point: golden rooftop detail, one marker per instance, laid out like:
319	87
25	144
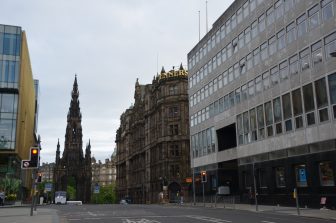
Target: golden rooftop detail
173	73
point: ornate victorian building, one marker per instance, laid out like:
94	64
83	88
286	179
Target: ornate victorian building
103	174
153	140
73	166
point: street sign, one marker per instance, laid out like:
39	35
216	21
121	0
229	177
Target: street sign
96	189
48	187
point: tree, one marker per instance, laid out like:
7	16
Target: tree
106	195
11	187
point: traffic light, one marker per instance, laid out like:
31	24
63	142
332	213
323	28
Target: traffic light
34	157
203	176
33	161
39	178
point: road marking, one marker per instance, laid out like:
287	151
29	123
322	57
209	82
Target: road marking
92	218
92	214
268	221
139	221
204	218
74	219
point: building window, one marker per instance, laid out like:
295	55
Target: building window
272	45
251	88
174	150
239	15
330	44
269	118
270	16
263	50
293	65
287	112
236	70
281	39
327	9
288	5
277	115
280	177
332	92
301	175
249	61
247	33
262	23
246	127
254	31
274	76
240	129
309	105
261	122
322	99
304	59
253	125
237	95
258	84
302	25
279	9
244	92
233	21
313	15
173	112
173	90
317	53
8	110
266	80
246	9
11	44
291	33
173	129
262	178
283	70
241	40
326	174
256	56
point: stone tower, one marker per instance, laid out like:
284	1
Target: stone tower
73	164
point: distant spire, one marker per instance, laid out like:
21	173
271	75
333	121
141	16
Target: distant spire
163	70
181	67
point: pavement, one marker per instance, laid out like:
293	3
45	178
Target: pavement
322	213
49	214
21	214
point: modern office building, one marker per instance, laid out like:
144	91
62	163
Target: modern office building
153	141
17	105
262	95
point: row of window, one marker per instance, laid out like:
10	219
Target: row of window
303	105
203	143
285	36
325	170
8	113
10	44
309	56
9	73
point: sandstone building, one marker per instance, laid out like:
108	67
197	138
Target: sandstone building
153	140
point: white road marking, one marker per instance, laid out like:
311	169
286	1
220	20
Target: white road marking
204	218
73	219
139	221
92	218
92	214
268	221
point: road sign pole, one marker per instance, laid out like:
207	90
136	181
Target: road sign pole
203	194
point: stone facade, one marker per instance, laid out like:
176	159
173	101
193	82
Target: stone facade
153	141
73	163
47	171
103	174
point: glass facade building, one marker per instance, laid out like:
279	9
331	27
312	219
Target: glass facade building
263	81
18	106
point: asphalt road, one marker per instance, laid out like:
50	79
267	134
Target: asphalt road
170	214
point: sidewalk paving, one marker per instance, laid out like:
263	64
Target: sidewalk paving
21	214
306	212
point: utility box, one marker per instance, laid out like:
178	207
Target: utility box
223	190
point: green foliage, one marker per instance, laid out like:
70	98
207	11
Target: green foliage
107	195
10	186
71	193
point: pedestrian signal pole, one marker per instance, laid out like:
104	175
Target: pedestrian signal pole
204	180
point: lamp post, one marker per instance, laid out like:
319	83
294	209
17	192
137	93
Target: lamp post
255	188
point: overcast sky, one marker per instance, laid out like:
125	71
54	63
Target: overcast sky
108	44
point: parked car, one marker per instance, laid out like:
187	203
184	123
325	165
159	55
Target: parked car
123	201
2	198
